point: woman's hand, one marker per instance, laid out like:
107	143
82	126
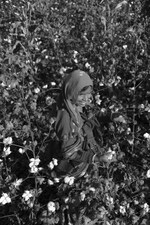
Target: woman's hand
108	157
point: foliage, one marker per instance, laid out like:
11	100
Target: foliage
41	41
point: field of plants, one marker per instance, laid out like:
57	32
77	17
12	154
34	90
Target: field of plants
40	42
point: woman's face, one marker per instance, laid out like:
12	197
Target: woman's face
84	99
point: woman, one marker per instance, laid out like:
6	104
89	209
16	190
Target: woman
78	146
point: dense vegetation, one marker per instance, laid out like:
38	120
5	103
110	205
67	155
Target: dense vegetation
40	42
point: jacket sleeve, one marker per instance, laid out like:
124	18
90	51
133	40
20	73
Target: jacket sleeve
62	125
71	145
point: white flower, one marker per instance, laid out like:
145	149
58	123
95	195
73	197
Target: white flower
34	162
120	119
110	154
69	180
5	199
51	207
52	120
36	90
122	209
91	69
51	165
27	195
3	84
7	141
98	101
128	130
17	182
147	108
141	106
6	151
146	208
103	110
148	173
56	180
110	200
92	189
82	195
75	53
75	60
146	135
62	70
21	150
53	83
55	162
34	169
50	182
136	202
87	65
101	84
49	100
107	223
45	86
66	199
124	46
30	204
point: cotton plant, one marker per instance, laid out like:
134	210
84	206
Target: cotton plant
146	208
97	99
82	195
109	200
27	195
51	206
21	150
37	90
28	198
34	162
50	182
148	173
147	137
7	141
69	180
5	199
53	163
17	183
122	209
6	151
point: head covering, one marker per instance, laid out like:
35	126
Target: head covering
72	86
74	83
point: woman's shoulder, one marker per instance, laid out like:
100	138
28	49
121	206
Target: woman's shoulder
62	113
62	125
63	118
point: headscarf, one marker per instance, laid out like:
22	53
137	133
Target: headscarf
72	86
